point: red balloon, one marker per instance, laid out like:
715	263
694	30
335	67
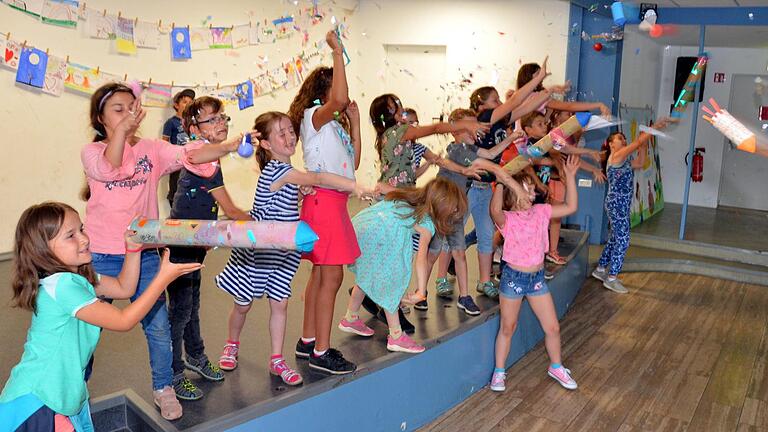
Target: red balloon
597	46
656	31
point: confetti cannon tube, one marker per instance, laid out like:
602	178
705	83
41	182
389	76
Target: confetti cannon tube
554	138
734	130
241	234
687	93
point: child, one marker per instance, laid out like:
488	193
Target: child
123	173
53	277
621	175
485	101
251	273
463	151
197	198
524	227
412	119
330	139
175	133
383	273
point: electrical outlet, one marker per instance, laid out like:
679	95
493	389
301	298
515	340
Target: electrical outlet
585	183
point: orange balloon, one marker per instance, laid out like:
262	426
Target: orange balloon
656	31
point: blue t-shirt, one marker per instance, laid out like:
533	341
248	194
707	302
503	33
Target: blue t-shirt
174	131
496	135
193	199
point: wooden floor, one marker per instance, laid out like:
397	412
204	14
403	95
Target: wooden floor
680	352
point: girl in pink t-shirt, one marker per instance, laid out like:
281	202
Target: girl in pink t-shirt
524	228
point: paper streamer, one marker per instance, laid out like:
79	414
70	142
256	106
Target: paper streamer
554	137
652	131
687	93
241	234
744	139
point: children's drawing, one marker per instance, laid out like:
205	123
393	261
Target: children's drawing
124	36
100	25
156	95
11	52
200	38
55	72
244	94
31	70
240	36
180	44
60	12
146	35
221	37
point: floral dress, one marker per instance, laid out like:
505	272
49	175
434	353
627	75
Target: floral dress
397	158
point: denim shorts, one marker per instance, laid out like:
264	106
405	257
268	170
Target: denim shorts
516	284
451	242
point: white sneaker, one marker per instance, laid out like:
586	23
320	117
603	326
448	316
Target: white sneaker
615	285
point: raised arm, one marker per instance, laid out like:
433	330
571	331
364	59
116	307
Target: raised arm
573	106
353	114
571	194
124	130
323	179
109	317
339	97
496	150
212	152
472	126
521	94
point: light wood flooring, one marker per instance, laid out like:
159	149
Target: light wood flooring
679	352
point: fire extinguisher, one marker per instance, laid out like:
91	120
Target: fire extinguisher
697	171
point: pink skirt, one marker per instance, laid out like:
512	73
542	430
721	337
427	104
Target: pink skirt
326	212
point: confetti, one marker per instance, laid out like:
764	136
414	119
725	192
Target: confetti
593	7
751	16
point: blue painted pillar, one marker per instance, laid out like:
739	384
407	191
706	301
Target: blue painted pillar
595	77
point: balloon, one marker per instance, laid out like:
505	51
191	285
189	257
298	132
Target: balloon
597	47
245	149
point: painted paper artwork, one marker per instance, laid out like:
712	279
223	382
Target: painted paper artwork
283	27
124	36
240	36
180	44
99	25
60	12
55	72
31	70
156	95
200	38
244	95
31	7
221	37
11	52
146	35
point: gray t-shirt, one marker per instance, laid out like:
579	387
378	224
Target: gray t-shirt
462	154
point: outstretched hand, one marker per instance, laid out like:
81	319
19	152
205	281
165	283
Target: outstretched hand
173	270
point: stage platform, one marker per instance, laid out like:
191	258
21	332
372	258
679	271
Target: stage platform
389	391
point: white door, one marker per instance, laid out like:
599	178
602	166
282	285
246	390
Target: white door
744	176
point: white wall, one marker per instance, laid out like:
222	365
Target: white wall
640	70
43	134
730	61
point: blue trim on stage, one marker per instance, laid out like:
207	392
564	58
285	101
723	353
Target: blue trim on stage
405	392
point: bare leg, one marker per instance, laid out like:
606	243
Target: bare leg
310	300
485	261
510	310
356	299
544	309
554	234
442	264
237	321
330	282
460	264
278	315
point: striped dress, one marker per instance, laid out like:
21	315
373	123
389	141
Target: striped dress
251	273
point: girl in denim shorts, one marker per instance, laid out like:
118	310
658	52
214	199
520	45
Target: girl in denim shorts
524	227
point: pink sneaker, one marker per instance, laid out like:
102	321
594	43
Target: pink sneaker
563	376
165	399
228	359
356	327
404	344
279	368
497	381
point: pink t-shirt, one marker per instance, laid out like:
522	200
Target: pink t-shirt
120	194
526	235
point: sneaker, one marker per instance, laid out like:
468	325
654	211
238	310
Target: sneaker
615	285
443	287
185	389
303	350
600	275
204	368
405	309
228	358
555	258
332	362
422	305
169	405
355	327
404	344
548	275
467	304
563	376
489	289
279	367
497	381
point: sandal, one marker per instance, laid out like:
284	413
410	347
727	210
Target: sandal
555	258
413	298
279	368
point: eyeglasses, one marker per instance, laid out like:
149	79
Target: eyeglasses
221	118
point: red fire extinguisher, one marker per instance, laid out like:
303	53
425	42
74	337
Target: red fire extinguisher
697	171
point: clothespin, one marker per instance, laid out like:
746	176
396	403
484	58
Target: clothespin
136	22
173	25
24	45
8	35
150	81
67	58
172	82
46	51
218	85
119	14
159	23
97	69
210	26
125	77
104	13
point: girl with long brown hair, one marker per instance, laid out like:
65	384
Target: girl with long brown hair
330	138
384	272
53	277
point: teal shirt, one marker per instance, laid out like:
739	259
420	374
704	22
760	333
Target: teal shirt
58	346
